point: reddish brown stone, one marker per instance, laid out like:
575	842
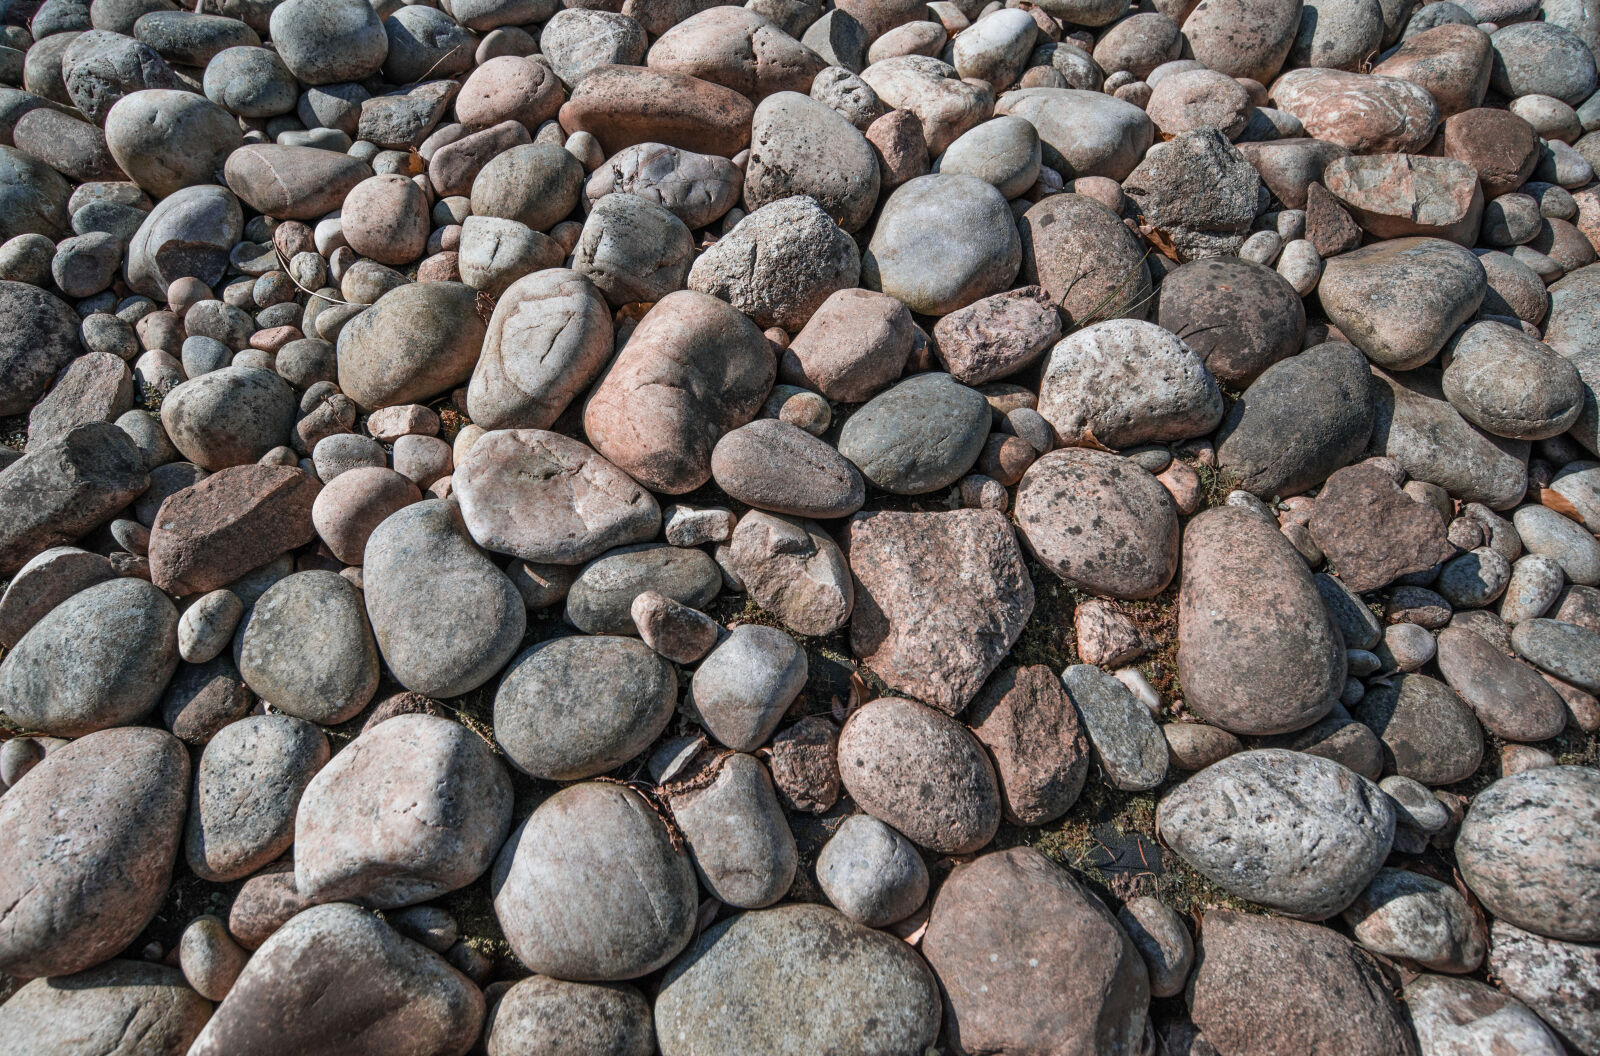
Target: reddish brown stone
1041	752
264	904
1367	114
1329	226
213	532
1452	62
1396	195
1501	146
624	105
292	182
852	347
940	599
805	767
454	166
897	139
998	335
1373	532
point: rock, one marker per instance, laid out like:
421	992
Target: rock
743	688
863	990
65	487
415	342
248	784
1451	61
1004	151
1544	531
280	1000
854	344
800	146
411	809
1362	293
721	367
326	43
1249	966
1522	853
1162	941
601	599
1398	195
919	436
1195	99
743	850
773	465
546	731
549	337
942	242
292	182
1409	915
229	417
1510	698
1082	133
38	338
250	81
544	497
100	658
1366	113
1302	419
1565	650
1040	749
1429	734
1098	521
1238	316
779	264
356	502
871	872
940	599
1243	38
210	959
168	139
922	772
946	105
624	105
44	582
188	233
92	834
633	250
1542	58
997	938
1199	192
1131	750
1511	385
1298	833
99	1008
1460	1016
1372	531
1103	382
543	1014
576	40
1088	263
307	650
1558	980
1416	427
592	887
793	569
997	336
421	562
229	523
696	188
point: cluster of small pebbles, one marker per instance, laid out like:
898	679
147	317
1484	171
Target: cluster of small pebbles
873	527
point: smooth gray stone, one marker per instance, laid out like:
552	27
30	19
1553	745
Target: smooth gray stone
1131	748
601	599
743	688
305	648
918	436
871	873
743	850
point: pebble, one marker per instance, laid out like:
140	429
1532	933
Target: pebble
941	242
1451	1014
307	649
1131	751
919	436
539	1013
1429	733
872	873
1509	697
1544	531
743	849
1566	650
1162	940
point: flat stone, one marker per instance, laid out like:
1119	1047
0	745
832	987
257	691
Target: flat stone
940	599
1410	915
102	1006
625	105
601	598
1452	62
1131	751
232	521
92	833
1568	651
292	183
1558	980
775	466
1373	532
1399	195
1414	425
411	809
1297	833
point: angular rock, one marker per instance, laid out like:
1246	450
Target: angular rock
1130	748
1199	192
1366	113
234	520
1373	532
779	264
64	488
1040	749
1401	195
794	570
940	599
